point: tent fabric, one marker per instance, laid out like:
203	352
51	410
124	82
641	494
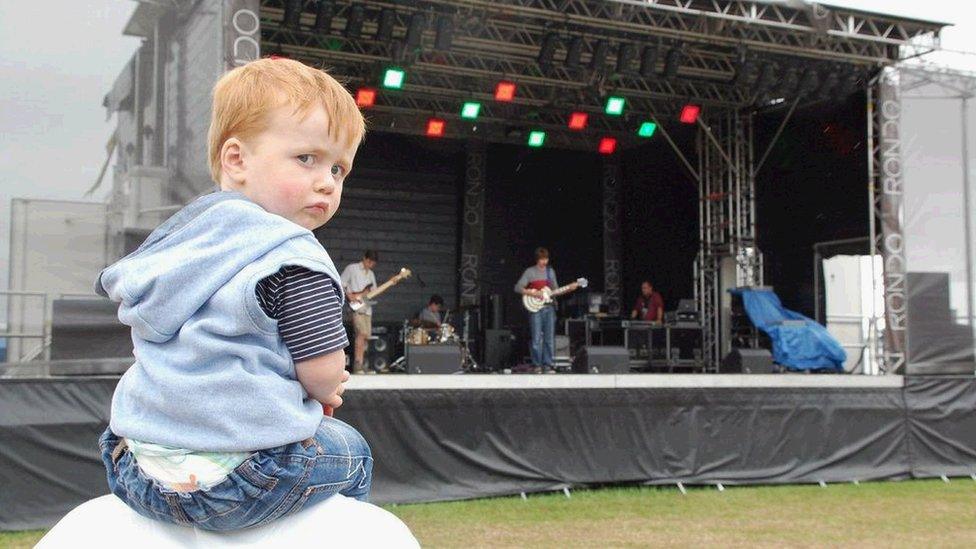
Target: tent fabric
799	342
448	444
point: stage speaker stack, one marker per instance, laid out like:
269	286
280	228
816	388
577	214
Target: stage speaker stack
83	328
379	348
748	361
561	356
442	358
601	360
498	349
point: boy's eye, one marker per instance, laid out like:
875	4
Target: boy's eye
306	159
338	170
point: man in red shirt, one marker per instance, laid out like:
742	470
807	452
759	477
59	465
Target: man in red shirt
649	305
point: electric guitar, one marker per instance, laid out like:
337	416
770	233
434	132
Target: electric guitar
358	304
534	304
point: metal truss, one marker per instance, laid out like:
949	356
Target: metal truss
727	214
495	40
875	230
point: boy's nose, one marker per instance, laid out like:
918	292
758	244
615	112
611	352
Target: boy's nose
325	184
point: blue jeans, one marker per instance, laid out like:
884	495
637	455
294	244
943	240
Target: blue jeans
269	485
543	327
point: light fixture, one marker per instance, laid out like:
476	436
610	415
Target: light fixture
577	120
689	113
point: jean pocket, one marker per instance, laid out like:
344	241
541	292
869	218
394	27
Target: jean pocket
228	504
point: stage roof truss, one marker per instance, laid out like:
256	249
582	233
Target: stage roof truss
496	40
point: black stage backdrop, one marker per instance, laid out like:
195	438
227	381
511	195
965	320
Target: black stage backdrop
812	189
439	444
541	197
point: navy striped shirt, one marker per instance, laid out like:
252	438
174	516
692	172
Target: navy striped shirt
307	307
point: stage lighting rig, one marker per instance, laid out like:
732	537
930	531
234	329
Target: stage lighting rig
293	13
548	49
827	83
766	78
354	21
743	70
672	61
384	28
626	54
445	33
648	60
808	81
324	10
415	31
573	52
599	60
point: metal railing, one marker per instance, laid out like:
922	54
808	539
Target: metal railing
43	348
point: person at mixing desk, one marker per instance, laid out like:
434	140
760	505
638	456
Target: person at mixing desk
649	306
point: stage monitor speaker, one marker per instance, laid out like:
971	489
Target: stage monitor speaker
433	359
601	360
498	349
748	361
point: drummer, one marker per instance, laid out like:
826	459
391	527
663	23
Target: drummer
430	316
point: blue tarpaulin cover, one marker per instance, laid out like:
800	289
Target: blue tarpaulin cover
799	343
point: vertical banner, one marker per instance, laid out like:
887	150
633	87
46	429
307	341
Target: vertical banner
612	251
242	32
891	214
472	224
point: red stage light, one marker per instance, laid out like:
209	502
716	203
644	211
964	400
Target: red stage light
577	120
365	97
689	114
607	145
435	127
505	91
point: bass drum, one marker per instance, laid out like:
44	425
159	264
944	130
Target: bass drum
418	336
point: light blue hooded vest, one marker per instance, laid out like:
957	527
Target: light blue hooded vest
211	372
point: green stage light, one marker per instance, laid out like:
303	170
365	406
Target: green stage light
647	129
470	110
537	138
393	78
615	105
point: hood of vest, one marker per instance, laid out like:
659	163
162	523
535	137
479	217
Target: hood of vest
183	263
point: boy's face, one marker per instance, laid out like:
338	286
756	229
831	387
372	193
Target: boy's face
294	168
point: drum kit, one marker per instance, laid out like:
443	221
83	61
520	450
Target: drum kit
422	332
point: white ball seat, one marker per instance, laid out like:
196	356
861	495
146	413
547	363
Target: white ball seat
337	522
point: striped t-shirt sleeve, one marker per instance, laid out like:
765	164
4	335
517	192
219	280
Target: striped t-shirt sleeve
307	307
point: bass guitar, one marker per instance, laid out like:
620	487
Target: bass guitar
358	304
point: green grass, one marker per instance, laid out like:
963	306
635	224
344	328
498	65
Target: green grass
881	514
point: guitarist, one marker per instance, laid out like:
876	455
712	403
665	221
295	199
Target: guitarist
357	280
542	324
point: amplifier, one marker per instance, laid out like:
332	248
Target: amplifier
601	360
433	359
499	345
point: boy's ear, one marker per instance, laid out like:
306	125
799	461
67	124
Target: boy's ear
232	160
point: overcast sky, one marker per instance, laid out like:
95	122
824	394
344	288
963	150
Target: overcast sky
58	58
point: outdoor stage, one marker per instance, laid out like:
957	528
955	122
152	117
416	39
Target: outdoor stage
465	436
